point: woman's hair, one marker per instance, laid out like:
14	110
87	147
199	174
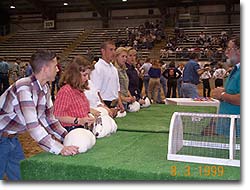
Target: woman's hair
131	49
40	58
172	64
118	51
72	75
156	63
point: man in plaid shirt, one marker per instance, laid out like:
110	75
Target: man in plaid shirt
27	105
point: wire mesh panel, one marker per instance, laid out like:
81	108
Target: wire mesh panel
205	138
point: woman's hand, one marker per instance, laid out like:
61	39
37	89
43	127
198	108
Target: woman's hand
88	120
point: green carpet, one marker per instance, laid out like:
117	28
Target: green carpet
157	117
125	155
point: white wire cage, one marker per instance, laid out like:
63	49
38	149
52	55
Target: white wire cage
205	138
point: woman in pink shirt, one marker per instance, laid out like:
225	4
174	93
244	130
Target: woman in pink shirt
71	105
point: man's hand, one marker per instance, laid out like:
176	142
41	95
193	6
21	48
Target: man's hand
69	150
217	92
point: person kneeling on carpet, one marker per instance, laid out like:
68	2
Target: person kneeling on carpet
71	105
104	124
27	105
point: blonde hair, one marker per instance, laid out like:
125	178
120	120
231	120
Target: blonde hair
119	50
131	49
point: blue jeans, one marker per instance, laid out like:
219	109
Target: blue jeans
163	82
11	153
146	83
189	90
179	88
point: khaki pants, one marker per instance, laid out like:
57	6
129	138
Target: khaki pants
154	85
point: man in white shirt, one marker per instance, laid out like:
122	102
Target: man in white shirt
105	77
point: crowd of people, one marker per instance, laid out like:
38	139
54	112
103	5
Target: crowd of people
209	46
114	83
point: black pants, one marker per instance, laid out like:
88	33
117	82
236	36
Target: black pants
218	83
206	87
172	85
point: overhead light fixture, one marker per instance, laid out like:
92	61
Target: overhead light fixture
124	0
12	7
65	4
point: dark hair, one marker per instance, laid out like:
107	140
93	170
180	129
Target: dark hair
172	64
72	75
40	58
194	56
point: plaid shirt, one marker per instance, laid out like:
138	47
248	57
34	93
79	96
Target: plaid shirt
26	105
71	102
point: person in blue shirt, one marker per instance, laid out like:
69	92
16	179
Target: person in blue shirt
191	77
4	75
229	96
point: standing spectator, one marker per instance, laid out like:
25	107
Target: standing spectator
229	96
191	76
140	74
172	74
219	75
179	80
16	71
154	81
145	67
105	76
163	84
4	75
205	77
28	70
55	83
71	105
27	105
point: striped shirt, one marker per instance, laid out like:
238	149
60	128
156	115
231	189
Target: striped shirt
26	105
71	102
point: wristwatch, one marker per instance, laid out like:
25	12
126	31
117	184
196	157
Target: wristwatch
221	95
76	121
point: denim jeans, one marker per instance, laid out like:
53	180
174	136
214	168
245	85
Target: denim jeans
163	82
11	153
189	90
146	84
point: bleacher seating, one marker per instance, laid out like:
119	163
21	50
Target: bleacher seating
192	34
96	37
25	42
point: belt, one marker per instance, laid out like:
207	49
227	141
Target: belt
7	135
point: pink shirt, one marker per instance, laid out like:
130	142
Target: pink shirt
71	102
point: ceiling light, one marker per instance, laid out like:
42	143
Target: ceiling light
65	4
124	0
12	7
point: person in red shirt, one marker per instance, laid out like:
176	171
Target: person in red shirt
71	105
